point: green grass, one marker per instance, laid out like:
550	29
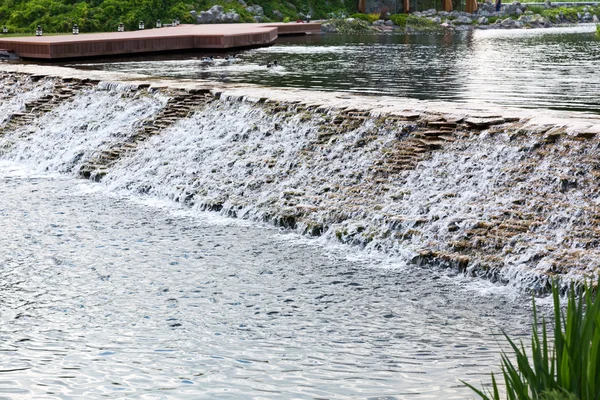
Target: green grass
598	30
536	9
568	370
404	20
366	17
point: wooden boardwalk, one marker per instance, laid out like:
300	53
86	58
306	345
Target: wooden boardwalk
182	37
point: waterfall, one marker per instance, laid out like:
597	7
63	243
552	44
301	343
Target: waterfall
490	196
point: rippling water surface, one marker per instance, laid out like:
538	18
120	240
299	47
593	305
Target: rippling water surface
105	296
537	68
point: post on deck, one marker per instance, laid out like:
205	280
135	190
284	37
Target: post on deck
362	6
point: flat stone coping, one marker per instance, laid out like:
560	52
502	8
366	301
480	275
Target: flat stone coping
572	121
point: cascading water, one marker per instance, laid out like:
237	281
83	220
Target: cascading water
505	202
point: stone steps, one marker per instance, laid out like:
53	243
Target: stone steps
179	106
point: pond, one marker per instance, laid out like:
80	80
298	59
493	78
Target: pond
554	68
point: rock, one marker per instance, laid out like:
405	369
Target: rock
595	19
214	15
242	3
329	28
587	17
278	14
436	20
256	10
389	22
379	22
483	21
518	12
463	20
508	23
484	122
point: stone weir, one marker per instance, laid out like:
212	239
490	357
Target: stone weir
510	195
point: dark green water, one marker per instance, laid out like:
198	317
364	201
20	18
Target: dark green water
539	68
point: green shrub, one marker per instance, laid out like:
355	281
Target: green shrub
399	19
407	20
536	9
352	27
569	13
571	369
598	30
366	17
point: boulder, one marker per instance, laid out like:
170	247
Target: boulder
595	19
463	20
216	14
256	10
329	28
278	15
587	17
482	21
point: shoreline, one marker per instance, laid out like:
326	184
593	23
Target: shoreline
512	16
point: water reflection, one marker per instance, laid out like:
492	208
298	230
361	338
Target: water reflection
104	297
538	68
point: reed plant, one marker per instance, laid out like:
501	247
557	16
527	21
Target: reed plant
568	368
598	30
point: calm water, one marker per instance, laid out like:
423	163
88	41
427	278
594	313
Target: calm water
538	68
104	296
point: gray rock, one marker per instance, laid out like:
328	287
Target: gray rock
214	15
508	23
389	22
379	22
329	28
242	3
587	17
595	19
518	11
429	13
278	14
463	20
436	19
482	21
255	10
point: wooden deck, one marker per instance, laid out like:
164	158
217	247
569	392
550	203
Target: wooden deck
182	37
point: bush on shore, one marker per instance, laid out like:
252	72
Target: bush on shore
568	370
22	16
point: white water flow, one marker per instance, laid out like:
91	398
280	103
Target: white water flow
105	295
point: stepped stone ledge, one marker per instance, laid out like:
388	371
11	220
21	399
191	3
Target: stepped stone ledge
512	238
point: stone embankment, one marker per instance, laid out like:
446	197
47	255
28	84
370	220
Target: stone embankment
511	16
509	195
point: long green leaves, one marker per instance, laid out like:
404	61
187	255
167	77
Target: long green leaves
568	370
